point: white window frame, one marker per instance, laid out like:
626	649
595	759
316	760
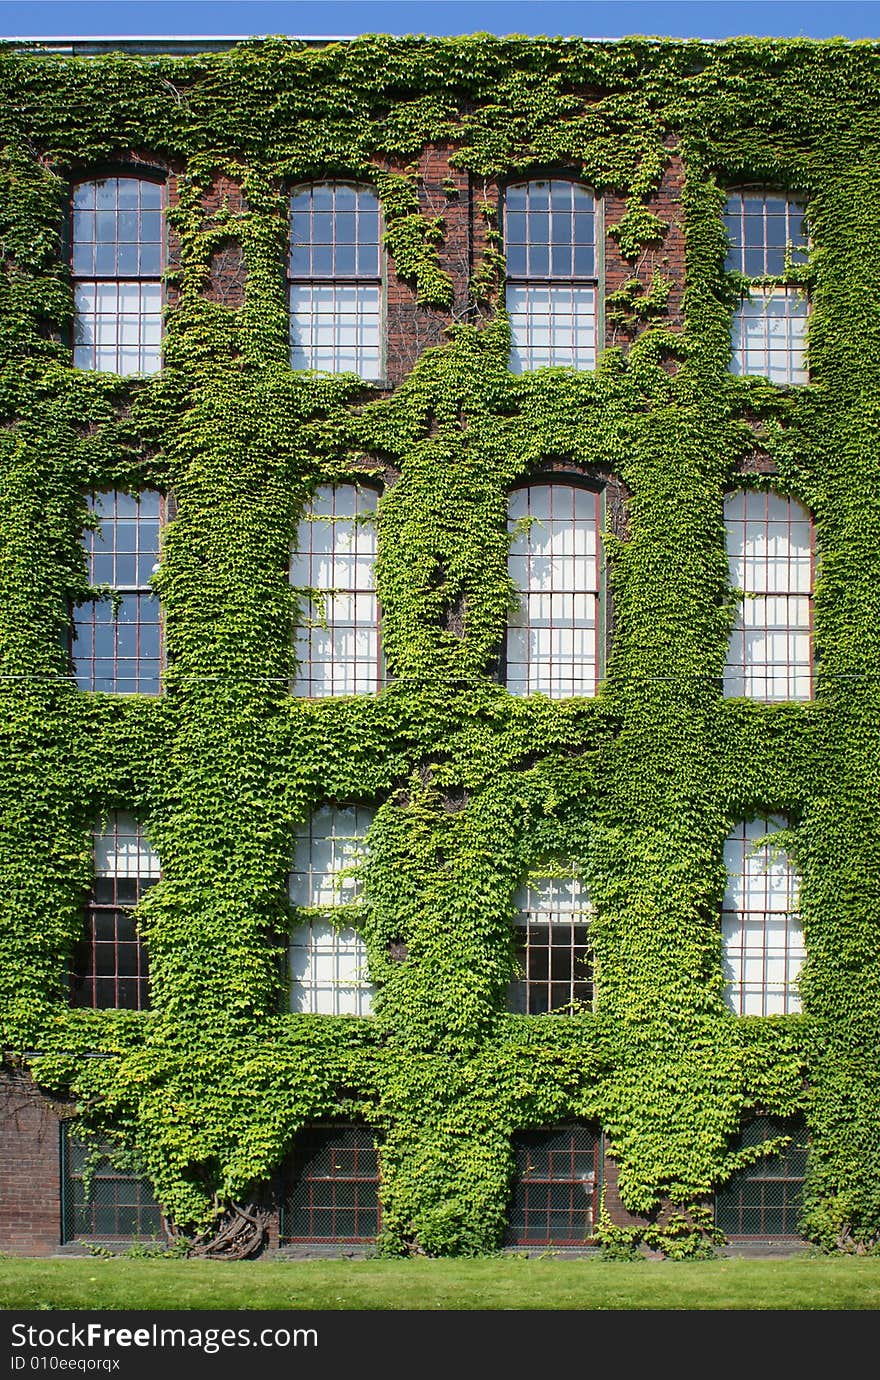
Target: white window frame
327	954
542	303
334	313
770	649
761	934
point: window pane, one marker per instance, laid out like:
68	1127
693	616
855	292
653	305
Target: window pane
552	642
328	961
110	966
760	226
337	641
770	558
551	325
761	933
553	950
117	644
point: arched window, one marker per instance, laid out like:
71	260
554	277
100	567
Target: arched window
337	640
553	636
770	558
552	946
767	239
760	930
328	959
335	279
117	261
110	968
117	644
552	277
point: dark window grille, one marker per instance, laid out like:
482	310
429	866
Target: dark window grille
117	639
552	280
552	947
760	929
553	636
117	1203
337	643
555	1188
766	1198
330	1186
116	264
770	324
770	556
335	279
109	968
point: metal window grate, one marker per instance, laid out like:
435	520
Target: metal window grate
116	1203
766	1198
117	261
555	1193
553	947
337	643
117	642
761	934
328	962
109	969
552	284
770	553
330	1186
553	636
335	279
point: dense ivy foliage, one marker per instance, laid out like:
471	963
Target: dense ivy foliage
639	785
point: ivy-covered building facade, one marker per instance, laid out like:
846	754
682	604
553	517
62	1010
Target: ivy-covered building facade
440	635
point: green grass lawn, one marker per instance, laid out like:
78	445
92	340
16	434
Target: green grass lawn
497	1283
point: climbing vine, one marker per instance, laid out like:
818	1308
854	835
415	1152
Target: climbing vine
637	788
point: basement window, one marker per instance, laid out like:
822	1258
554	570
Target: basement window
761	932
117	259
556	1186
330	1186
100	1201
335	279
766	1198
552	276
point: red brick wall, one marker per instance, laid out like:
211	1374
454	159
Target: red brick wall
30	1176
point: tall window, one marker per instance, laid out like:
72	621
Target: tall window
110	968
330	1186
335	280
117	262
767	240
760	930
553	635
553	948
337	640
101	1201
766	1198
328	959
770	558
117	642
556	1187
552	278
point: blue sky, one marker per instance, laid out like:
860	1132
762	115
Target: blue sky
591	18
